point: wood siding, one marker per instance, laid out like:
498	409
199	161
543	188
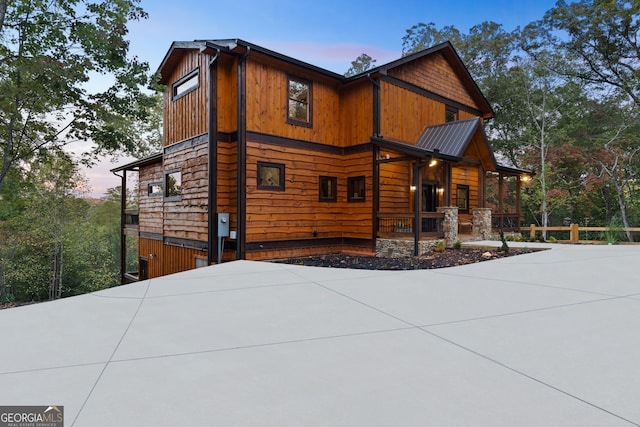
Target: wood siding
356	113
435	74
267	100
187	217
166	259
466	175
186	116
405	114
297	212
150	208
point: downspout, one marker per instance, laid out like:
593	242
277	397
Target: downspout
212	167
242	165
123	219
375	208
417	182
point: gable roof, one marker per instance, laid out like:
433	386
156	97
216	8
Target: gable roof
448	141
238	46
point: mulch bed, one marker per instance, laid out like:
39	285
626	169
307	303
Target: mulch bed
447	258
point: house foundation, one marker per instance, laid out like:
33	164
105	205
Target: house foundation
481	224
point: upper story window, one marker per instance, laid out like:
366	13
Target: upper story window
451	114
299	102
173	184
185	85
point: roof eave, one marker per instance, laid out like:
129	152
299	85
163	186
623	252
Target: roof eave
154	158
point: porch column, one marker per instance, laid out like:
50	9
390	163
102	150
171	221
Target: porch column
449	224
481	223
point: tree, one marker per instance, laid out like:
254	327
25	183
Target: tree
49	51
362	63
600	39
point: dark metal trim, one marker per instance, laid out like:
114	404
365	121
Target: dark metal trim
281	181
212	158
186	243
241	194
307	243
306	145
187	143
150	236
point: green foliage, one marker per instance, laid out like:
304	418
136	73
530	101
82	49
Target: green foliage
457	244
614	232
504	247
49	52
362	63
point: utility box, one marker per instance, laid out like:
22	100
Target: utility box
223	224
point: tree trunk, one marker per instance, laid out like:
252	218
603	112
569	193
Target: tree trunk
623	206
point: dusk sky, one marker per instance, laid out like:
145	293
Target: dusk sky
329	34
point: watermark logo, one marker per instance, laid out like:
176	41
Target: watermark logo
31	416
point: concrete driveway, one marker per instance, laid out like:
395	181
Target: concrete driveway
545	339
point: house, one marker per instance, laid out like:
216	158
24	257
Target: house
266	156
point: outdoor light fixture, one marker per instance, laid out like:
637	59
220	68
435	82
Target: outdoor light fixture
412	188
525	178
433	162
441	190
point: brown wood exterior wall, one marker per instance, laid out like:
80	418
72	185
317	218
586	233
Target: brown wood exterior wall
167	259
296	212
186	116
466	175
395	182
150	207
435	74
187	217
356	113
267	100
405	114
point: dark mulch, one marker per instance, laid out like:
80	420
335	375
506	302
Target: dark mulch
447	258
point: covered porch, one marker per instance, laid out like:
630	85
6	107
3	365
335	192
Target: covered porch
448	186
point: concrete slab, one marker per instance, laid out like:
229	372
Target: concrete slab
543	339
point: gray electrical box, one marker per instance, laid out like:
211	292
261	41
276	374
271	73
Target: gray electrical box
223	224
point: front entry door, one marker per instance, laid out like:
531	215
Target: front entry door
429	204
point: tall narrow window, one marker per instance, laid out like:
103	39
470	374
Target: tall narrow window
270	176
328	188
185	85
462	198
299	101
173	184
355	189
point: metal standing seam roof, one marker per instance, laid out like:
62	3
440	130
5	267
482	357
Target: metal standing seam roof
450	138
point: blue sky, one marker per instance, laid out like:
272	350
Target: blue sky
328	33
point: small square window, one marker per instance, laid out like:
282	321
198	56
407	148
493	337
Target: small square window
173	184
356	189
299	101
185	85
462	197
270	176
154	189
328	188
451	114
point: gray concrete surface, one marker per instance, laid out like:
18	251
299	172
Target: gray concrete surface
545	339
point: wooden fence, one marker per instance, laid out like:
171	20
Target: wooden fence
574	231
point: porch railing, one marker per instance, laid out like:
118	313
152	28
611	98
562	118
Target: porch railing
400	224
505	221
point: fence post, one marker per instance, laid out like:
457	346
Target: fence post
575	233
532	231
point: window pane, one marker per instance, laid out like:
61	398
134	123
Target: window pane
328	185
299	100
173	184
185	86
270	176
356	188
155	189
